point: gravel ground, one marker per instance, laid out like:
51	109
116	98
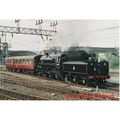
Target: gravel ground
114	78
34	92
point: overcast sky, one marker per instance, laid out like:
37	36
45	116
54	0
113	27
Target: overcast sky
94	33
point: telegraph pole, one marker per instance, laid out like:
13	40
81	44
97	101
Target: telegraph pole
17	21
3	36
54	24
39	23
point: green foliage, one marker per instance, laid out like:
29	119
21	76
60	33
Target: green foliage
113	61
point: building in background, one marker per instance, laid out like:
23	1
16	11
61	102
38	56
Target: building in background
3	51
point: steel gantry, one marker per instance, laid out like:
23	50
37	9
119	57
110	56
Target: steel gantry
30	31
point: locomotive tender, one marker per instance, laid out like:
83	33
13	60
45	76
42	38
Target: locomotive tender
77	67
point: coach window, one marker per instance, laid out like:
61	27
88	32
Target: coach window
23	61
13	61
19	61
10	61
6	61
27	61
30	62
16	61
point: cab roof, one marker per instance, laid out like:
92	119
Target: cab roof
22	57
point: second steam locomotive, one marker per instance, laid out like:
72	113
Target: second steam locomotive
78	67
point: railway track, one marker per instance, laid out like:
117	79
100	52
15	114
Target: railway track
34	78
14	95
47	85
58	86
111	86
35	85
6	97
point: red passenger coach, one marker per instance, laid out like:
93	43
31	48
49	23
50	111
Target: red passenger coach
20	63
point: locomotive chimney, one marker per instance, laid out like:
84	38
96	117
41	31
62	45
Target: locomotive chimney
46	54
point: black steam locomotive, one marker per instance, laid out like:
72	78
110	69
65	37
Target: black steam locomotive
77	67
